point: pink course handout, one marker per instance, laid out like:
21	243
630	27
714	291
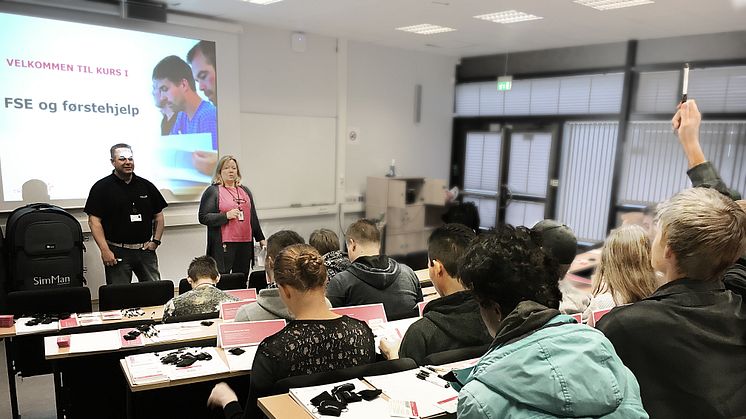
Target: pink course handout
367	312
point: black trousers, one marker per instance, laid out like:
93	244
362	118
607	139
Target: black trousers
237	257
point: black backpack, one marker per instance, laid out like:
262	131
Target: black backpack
44	248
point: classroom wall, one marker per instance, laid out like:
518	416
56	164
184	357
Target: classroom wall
358	84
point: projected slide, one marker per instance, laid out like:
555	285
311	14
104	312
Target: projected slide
70	91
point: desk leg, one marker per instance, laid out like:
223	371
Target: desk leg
58	399
11	379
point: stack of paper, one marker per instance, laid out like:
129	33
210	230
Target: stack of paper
145	369
213	366
241	362
431	399
234	335
376	408
181	331
108	340
90	318
22	329
111	315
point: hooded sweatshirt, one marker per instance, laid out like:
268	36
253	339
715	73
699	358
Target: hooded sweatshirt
376	279
268	306
450	322
544	365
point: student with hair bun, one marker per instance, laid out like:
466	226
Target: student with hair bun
318	340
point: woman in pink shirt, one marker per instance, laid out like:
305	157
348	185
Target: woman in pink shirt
227	209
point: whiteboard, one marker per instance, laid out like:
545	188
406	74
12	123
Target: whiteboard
288	160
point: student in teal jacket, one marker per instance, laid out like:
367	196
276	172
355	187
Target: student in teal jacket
541	364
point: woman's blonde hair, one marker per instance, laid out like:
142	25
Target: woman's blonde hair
625	270
217	179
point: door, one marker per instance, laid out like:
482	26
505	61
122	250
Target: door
506	174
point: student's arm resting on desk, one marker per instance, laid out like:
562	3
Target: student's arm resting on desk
97	231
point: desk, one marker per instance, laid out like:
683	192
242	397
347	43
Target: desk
200	333
154	313
282	406
423	275
172	383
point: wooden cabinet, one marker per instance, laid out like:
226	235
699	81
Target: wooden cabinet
410	208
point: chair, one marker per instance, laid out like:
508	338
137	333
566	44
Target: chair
138	294
50	301
360	371
455	355
184	286
258	280
27	352
232	281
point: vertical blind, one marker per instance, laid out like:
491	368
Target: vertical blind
654	166
587	167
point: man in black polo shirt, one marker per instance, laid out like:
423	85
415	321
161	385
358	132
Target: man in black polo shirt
126	220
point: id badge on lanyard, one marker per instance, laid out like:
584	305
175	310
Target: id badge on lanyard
135	217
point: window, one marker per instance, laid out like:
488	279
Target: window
482	174
587	167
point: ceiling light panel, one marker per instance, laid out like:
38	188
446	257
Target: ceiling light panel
508	16
612	4
425	29
262	2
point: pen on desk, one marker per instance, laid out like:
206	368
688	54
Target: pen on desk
685	85
425	375
435	380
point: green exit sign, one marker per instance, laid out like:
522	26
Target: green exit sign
504	83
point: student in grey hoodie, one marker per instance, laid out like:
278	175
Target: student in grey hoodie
373	277
268	305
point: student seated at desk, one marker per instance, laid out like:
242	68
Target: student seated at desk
451	321
327	243
558	241
373	277
317	341
625	274
268	305
204	297
541	363
686	343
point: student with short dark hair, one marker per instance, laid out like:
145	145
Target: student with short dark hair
327	243
204	297
541	363
373	277
318	340
451	321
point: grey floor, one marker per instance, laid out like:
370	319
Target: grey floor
35	394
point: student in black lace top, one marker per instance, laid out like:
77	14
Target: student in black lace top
317	341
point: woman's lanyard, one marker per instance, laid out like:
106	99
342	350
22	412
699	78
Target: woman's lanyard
237	197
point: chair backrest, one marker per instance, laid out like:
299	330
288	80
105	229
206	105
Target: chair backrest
234	281
455	355
184	286
50	301
258	280
377	368
138	294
